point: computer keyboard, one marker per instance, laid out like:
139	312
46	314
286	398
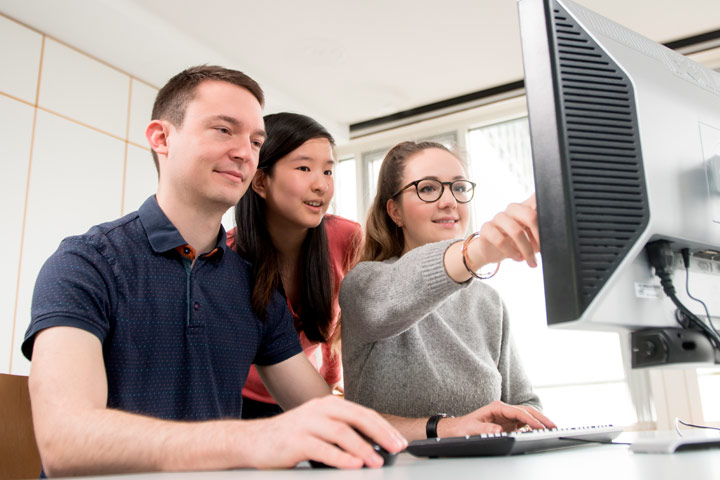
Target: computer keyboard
511	443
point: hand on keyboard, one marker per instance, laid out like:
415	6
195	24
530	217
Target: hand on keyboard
494	418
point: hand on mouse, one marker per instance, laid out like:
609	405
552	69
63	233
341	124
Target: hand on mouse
329	430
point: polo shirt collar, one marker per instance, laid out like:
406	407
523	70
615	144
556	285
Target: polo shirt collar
162	234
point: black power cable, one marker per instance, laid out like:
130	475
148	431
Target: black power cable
685	253
661	257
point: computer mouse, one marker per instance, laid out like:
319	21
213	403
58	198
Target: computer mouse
388	458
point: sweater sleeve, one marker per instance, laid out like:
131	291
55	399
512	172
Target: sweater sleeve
383	299
516	385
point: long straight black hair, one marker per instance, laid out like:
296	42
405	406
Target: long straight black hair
285	133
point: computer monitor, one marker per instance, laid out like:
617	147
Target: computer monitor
625	138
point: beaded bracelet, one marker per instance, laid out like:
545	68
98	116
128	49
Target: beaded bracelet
466	261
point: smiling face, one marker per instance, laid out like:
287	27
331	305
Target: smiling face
423	222
210	160
299	188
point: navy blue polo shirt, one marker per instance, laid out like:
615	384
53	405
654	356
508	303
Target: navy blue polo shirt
177	341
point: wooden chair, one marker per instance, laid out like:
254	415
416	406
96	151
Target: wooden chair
19	457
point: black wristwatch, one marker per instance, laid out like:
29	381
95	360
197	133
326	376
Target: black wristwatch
432	423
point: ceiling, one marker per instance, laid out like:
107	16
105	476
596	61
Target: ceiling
341	61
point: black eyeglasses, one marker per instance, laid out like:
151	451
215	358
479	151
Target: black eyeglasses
430	190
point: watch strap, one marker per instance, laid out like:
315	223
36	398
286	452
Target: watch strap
432	424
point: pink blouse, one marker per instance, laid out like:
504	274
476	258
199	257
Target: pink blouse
344	238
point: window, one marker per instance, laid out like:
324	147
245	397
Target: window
372	161
449	139
709	383
344	202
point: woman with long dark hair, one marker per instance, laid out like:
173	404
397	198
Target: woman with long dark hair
293	245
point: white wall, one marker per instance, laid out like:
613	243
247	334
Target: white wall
73	154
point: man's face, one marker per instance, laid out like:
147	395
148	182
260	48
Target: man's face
213	156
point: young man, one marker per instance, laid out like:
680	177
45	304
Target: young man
135	366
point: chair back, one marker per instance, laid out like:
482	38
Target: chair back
19	457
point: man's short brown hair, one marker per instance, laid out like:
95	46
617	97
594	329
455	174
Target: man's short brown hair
172	99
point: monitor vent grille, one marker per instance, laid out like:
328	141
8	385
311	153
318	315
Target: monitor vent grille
602	154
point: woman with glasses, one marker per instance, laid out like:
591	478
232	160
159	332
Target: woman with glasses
421	337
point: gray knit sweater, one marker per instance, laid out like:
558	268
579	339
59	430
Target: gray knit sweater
416	343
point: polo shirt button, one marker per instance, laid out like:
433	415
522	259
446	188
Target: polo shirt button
196	306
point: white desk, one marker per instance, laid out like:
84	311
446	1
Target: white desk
614	462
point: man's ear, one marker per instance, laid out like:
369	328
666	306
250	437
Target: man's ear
258	183
394	211
157	136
